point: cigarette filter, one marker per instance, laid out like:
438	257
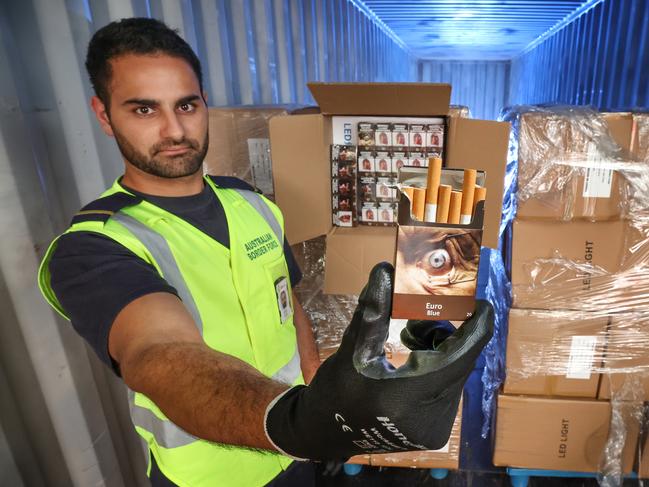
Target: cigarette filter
443	203
432	188
480	194
409	191
419	203
468	188
454	208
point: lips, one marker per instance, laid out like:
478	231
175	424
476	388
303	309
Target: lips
172	151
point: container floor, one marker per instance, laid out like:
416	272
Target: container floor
407	477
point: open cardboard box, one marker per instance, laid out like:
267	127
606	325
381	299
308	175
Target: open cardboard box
301	169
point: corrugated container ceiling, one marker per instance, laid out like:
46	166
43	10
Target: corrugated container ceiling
474	29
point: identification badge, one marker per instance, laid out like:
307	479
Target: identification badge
283	299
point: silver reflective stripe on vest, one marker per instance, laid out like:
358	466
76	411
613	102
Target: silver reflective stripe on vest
159	249
166	433
257	202
289	372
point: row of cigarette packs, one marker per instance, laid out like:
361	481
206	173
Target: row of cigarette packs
382	162
414	135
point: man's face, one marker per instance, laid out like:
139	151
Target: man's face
157	115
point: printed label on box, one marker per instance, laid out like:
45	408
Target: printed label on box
262	169
598	182
582	356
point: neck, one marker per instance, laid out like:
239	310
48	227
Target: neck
158	186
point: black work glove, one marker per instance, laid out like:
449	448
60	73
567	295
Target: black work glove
426	335
358	403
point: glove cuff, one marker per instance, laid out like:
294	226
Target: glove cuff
270	406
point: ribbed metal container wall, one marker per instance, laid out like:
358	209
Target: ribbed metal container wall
599	59
63	416
480	85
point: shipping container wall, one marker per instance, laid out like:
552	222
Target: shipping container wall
598	59
63	415
480	85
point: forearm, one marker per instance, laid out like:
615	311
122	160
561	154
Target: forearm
209	394
309	356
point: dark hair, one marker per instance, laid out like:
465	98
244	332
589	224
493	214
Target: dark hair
133	36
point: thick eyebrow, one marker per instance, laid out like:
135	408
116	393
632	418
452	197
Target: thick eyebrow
188	99
141	101
152	103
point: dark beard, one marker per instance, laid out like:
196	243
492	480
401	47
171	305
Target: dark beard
165	167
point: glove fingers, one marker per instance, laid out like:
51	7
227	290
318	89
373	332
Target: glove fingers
471	337
366	334
425	335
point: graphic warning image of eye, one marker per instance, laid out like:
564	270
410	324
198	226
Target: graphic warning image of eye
440	261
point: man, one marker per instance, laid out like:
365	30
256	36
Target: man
176	281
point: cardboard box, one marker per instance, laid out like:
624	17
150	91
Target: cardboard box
351	254
550	188
640	137
542	275
300	152
627	352
553	353
239	142
556	434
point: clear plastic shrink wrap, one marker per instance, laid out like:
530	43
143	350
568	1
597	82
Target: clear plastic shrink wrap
459	111
579	260
239	142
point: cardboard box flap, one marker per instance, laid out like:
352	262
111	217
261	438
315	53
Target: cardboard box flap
400	99
301	175
482	145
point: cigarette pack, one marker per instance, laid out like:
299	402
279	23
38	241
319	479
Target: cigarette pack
436	266
383	134
343	185
366	163
365	134
386	189
417	159
435	136
369	213
383	163
417	136
399	159
367	189
400	136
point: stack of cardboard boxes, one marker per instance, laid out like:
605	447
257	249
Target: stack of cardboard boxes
577	255
300	149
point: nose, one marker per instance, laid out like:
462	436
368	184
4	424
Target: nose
172	127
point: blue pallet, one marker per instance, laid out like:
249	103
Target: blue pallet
521	476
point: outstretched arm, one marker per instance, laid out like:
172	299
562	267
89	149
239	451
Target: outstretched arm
309	357
209	394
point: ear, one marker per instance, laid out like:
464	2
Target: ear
102	115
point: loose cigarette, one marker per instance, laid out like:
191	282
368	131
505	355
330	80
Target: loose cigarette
432	188
419	203
468	188
479	195
443	203
409	191
454	208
